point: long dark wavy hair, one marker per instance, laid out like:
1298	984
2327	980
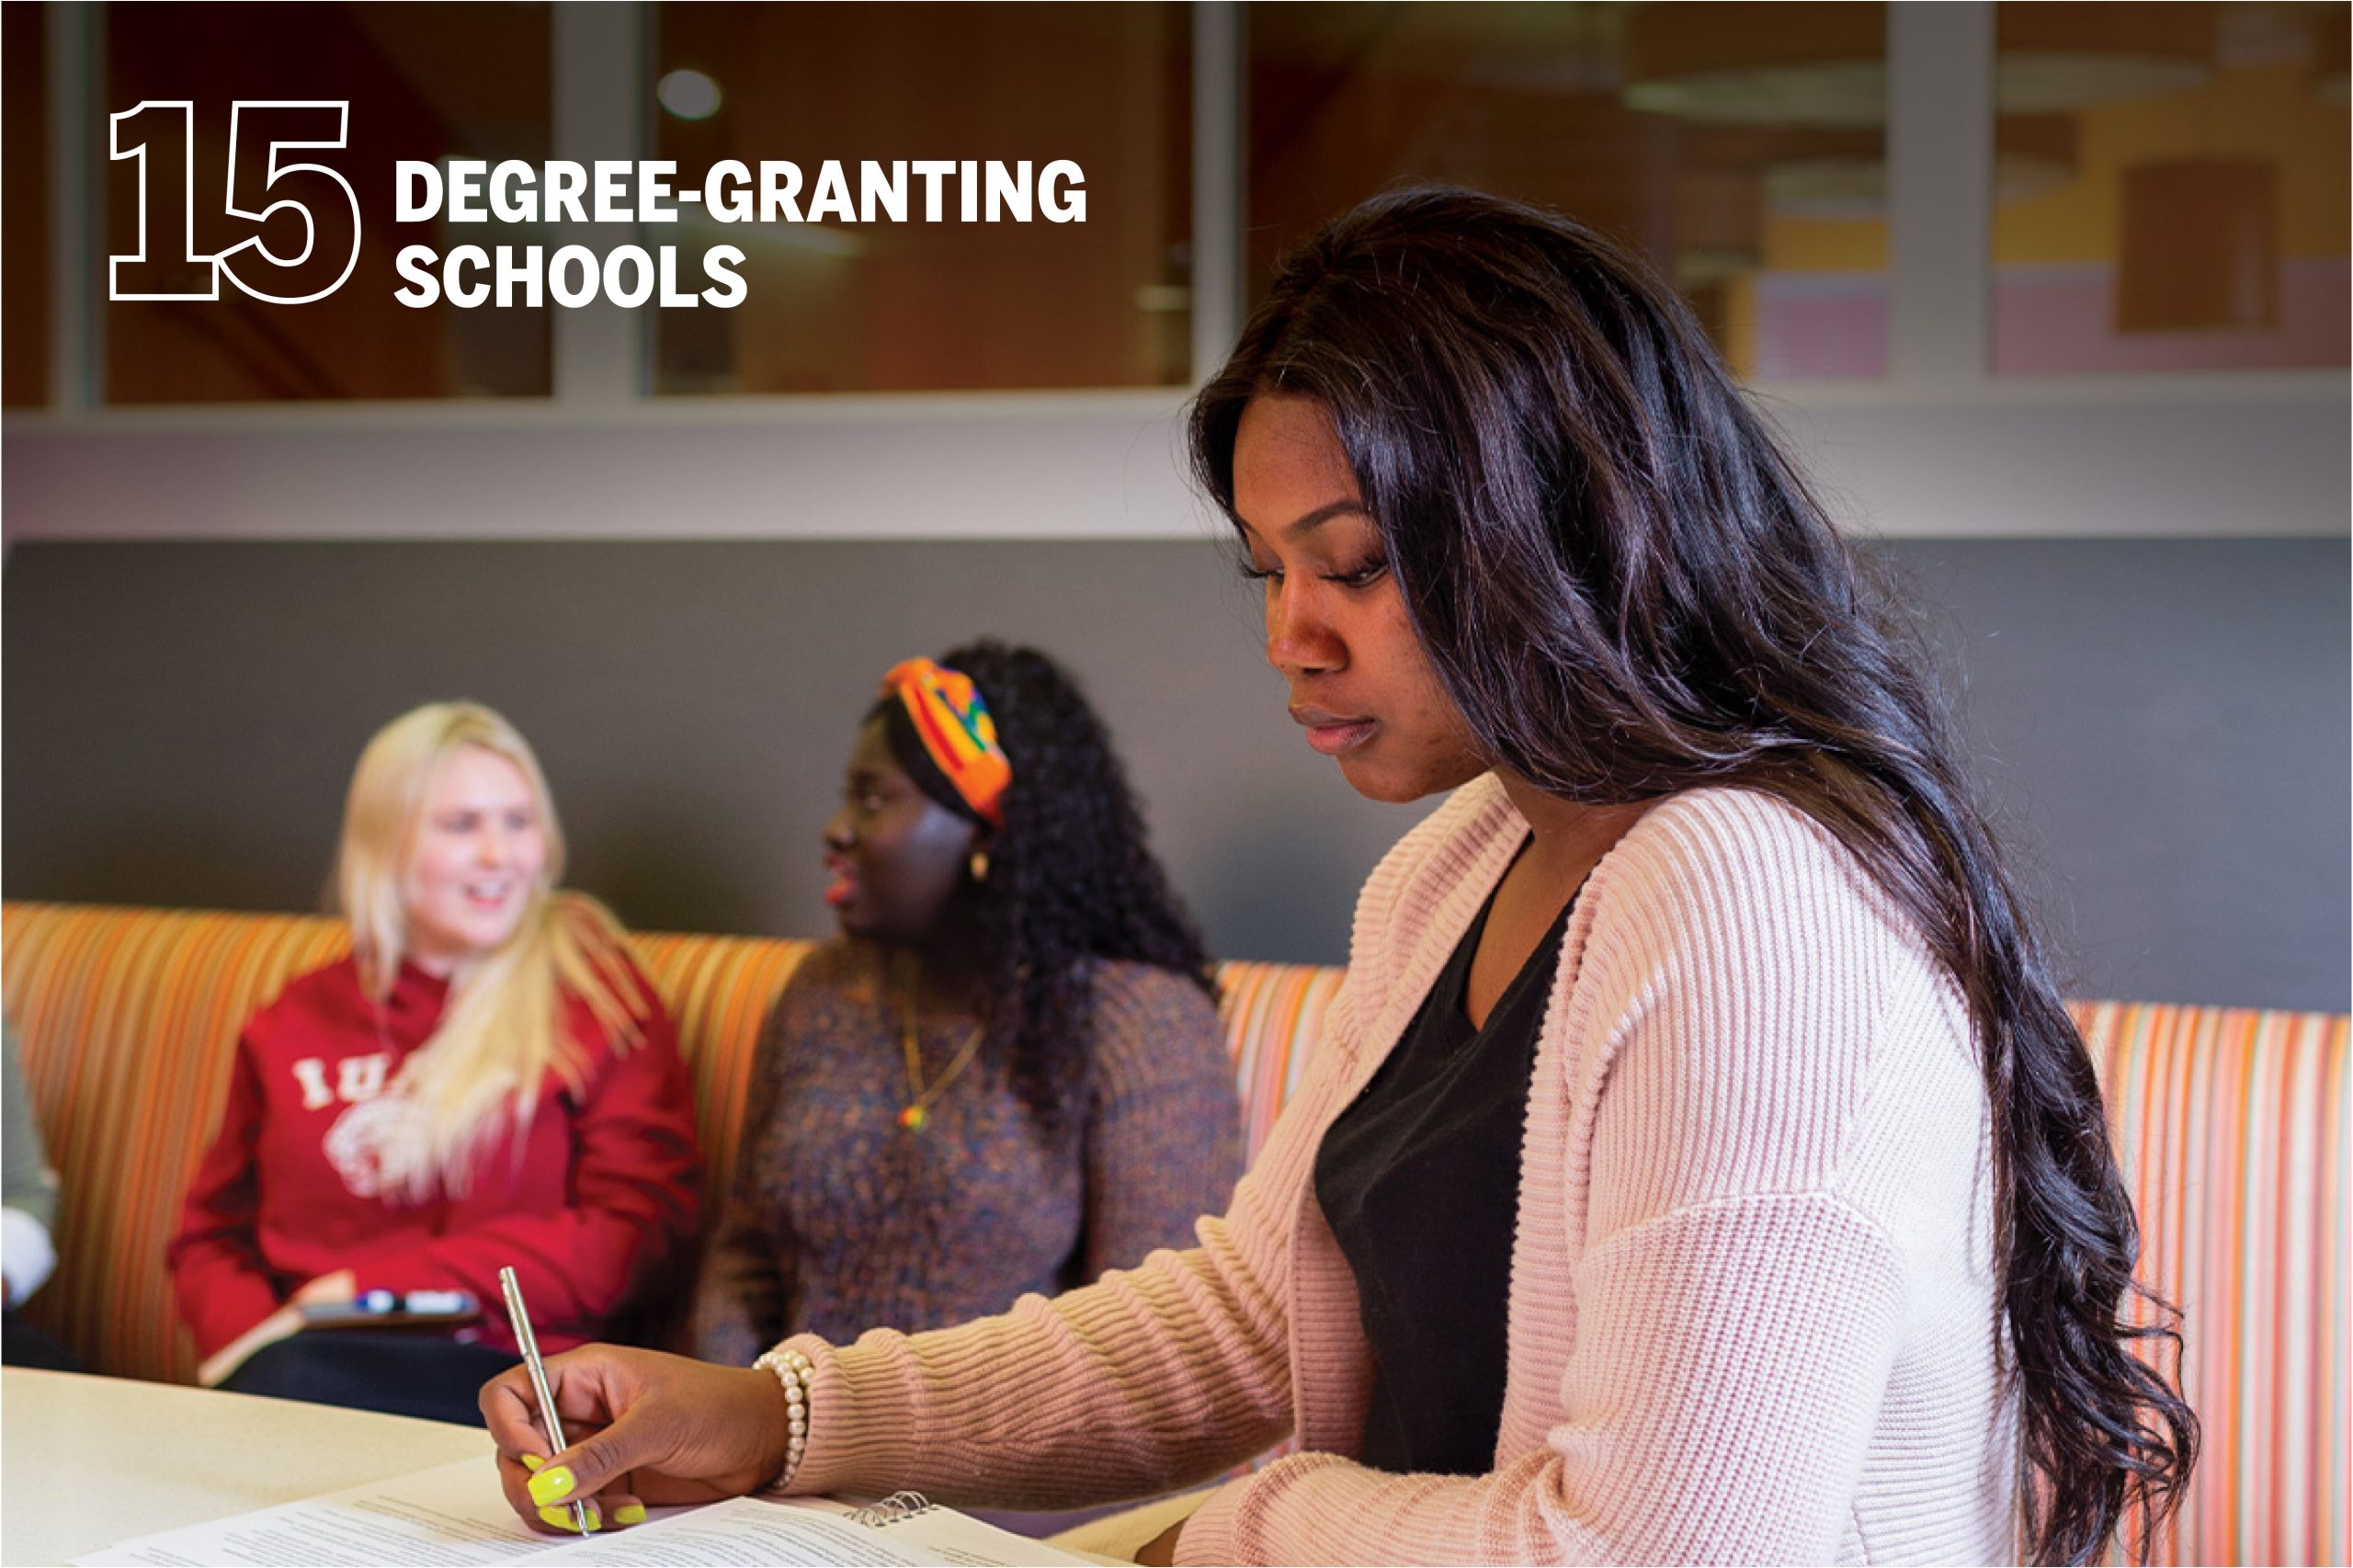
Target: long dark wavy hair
1628	590
1070	876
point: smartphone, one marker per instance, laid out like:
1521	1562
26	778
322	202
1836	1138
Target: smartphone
394	1309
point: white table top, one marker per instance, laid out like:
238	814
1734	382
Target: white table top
85	1462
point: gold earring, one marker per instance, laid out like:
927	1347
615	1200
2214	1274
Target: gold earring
979	864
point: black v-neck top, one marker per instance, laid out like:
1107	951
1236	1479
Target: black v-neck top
1419	1180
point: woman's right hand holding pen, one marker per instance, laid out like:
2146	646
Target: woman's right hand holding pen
646	1427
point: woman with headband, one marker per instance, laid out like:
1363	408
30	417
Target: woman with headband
1007	1074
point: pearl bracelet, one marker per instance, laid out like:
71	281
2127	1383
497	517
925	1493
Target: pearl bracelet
793	1370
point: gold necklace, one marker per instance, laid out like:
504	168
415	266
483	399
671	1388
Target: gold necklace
918	1110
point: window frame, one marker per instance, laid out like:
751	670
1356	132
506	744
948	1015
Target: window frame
1940	153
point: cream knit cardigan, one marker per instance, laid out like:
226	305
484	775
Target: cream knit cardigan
1752	1314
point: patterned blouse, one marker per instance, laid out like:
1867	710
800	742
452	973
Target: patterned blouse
840	1220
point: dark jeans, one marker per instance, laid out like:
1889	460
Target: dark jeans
26	1345
401	1374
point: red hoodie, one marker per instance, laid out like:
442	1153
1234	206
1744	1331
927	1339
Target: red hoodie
596	1207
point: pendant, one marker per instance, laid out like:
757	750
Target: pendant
913	1117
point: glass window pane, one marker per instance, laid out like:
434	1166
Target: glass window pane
839	306
424	82
1742	146
24	329
2171	188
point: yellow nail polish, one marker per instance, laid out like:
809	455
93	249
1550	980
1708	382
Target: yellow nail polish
552	1485
629	1514
532	1461
561	1518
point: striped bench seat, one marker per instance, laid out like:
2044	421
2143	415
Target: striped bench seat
2231	1125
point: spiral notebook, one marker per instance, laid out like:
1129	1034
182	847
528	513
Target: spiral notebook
453	1516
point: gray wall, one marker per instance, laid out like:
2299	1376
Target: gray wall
2163	731
2162	727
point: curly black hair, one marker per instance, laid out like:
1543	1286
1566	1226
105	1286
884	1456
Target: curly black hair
1070	876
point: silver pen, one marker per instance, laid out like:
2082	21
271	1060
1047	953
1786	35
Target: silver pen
529	1345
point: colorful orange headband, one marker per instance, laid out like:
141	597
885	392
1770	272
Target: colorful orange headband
955	730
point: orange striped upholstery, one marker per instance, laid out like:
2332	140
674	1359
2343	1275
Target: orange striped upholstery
718	990
2231	1128
2231	1125
126	1020
128	1017
1273	1013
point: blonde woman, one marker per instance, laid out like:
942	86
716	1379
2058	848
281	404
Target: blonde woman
487	1079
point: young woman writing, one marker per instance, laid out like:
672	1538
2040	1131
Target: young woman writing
1699	1164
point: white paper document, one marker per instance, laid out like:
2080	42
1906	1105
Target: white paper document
453	1516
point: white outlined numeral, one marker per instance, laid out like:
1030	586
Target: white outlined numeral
145	268
312	124
291	112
